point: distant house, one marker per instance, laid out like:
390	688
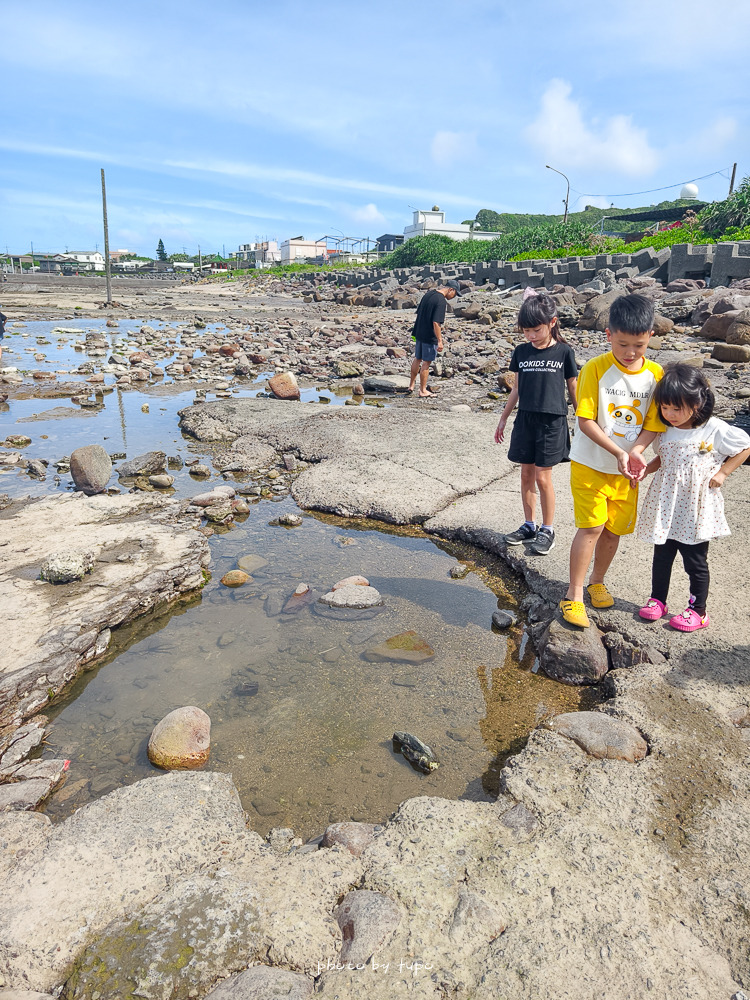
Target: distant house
88	260
388	242
300	249
183	265
426	223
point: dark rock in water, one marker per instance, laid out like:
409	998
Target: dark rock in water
144	465
503	618
406	647
572	655
90	468
367	920
419	755
246	689
459	571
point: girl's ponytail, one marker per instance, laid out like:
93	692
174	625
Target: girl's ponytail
538	309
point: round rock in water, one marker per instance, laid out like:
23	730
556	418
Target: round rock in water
352	596
235	578
182	740
290	520
503	619
90	468
67	565
355	581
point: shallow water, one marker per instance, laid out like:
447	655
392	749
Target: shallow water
119	424
299	718
313	745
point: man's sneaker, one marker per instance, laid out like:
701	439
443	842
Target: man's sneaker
545	542
524	534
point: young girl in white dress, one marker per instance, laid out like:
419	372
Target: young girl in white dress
684	508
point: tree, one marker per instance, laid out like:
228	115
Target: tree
161	253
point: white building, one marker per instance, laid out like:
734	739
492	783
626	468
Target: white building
433	221
91	260
302	249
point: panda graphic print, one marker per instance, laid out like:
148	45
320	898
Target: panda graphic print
621	402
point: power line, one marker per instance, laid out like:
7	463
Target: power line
724	172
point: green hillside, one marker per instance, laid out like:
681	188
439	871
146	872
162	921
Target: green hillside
508	222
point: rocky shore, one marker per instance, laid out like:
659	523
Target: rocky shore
616	858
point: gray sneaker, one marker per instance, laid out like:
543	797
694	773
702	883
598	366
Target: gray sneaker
545	542
524	534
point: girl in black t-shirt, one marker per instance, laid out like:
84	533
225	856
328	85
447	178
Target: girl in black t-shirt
545	366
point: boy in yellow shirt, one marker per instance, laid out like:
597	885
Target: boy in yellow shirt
615	410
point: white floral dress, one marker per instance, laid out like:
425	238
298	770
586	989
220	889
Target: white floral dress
680	504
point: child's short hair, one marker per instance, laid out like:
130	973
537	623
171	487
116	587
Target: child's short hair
683	385
539	309
631	314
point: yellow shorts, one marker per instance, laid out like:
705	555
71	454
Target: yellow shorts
603	498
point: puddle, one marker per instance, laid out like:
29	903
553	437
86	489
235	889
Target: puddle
300	718
313	745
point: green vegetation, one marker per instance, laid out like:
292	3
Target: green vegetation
545	240
161	253
508	222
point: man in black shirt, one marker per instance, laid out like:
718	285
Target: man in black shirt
3	319
428	333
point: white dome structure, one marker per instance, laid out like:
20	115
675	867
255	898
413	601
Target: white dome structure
689	191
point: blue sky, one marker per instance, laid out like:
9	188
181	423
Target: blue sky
217	125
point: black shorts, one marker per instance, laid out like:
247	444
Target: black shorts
541	439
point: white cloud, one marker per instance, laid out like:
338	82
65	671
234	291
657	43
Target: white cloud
560	132
448	148
368	214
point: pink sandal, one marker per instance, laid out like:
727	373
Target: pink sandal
653	610
689	620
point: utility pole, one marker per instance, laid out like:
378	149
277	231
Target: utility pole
106	242
32	259
731	183
200	260
567	193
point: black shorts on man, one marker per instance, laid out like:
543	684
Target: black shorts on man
424	351
540	439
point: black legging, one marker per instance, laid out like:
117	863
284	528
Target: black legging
695	560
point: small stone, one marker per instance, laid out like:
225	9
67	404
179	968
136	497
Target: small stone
459	571
290	520
17	441
352	597
503	618
351	581
301	589
354	837
284	386
601	736
251	563
572	655
201	471
367	920
67	565
144	465
161	481
182	740
235	578
406	647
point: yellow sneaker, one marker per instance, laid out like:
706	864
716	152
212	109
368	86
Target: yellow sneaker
600	596
575	613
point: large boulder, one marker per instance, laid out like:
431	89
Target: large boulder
601	735
182	740
284	386
144	465
596	314
717	325
572	655
90	467
731	352
739	331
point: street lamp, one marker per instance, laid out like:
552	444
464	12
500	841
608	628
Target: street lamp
567	193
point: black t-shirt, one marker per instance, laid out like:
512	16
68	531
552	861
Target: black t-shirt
430	310
3	318
542	376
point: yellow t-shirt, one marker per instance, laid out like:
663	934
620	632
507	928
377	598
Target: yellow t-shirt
620	401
